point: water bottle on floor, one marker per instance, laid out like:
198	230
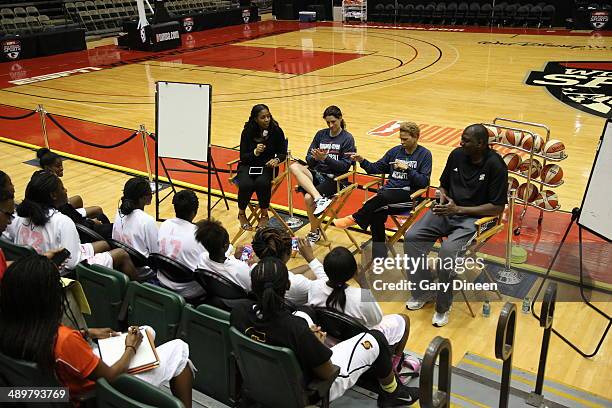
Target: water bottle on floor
486	309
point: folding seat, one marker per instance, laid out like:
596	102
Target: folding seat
497	16
509	14
90	6
174	271
520	18
485	14
21	373
221	292
80	6
548	15
272	376
462	10
33	23
14	251
390	11
127	391
71	10
45	21
21	25
450	13
430	8
20	12
378	12
32	11
206	331
156	307
438	14
419	11
407	12
471	16
7	13
105	290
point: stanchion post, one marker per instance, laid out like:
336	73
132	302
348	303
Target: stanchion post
43	123
536	398
438	348
504	347
145	146
508	275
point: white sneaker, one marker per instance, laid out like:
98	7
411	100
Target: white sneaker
415	304
440	319
321	204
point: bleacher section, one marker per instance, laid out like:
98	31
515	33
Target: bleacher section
483	13
97	17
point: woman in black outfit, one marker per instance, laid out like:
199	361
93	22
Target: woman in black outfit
262	147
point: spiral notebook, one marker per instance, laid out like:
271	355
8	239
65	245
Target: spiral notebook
146	358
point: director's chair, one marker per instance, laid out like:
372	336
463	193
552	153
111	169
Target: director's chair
281	170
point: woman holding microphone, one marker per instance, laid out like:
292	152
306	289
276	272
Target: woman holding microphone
262	147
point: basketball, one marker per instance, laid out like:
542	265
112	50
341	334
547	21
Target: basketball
552	174
493	134
547	199
512	137
535	169
555	149
528	142
527	195
513	183
513	161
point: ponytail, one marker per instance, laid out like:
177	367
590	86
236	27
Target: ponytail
46	157
134	189
340	266
269	281
38	200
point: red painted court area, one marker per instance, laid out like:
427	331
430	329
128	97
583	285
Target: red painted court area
282	60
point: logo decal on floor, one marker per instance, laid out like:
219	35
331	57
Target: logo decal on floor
584	85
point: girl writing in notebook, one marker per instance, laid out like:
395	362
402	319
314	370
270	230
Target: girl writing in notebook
31	308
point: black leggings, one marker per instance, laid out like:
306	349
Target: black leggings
382	365
247	184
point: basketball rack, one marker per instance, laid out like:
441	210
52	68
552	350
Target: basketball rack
502	123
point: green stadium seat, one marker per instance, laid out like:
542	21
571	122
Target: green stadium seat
206	330
130	392
14	251
105	289
273	377
154	306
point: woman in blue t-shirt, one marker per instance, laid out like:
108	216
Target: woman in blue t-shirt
328	156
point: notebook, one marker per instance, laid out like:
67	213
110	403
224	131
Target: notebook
112	348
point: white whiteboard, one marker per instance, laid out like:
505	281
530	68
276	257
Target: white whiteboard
596	214
183	120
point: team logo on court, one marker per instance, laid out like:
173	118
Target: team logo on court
11	48
584	85
246	16
386	129
599	19
188	24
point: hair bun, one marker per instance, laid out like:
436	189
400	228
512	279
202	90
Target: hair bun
41	152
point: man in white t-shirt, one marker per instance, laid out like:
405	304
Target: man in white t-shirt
215	239
176	239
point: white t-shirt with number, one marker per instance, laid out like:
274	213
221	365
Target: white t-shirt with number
138	230
176	239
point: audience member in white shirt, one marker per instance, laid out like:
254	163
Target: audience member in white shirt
133	226
277	243
335	293
40	225
176	239
215	239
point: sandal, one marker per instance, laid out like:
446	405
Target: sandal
263	222
244	222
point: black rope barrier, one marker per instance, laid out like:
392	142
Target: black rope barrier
133	135
201	166
152	136
27	115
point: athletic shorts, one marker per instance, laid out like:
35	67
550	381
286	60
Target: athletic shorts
393	327
102	258
354	356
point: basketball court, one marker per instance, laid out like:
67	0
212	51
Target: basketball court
441	78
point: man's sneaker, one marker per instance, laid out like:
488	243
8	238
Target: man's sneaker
314	236
321	204
440	319
401	397
416	304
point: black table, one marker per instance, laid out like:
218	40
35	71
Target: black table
17	47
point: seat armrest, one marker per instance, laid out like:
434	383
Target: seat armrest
419	193
485	220
321	387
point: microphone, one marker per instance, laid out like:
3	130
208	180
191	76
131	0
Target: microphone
265	133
